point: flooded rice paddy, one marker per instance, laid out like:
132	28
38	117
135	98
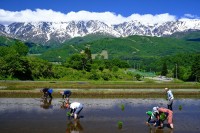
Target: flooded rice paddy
32	115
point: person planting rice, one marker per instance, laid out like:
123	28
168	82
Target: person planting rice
159	111
170	98
66	94
47	92
153	118
75	109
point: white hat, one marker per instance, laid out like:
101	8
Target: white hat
155	109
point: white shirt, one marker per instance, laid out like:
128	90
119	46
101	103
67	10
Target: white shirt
75	105
170	95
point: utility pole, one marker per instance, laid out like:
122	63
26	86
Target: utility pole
176	72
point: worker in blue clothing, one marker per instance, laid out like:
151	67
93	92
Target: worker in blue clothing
47	92
66	94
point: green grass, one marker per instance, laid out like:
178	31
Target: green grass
100	89
97	94
30	85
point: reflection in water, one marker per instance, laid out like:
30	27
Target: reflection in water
101	116
46	104
74	127
62	106
153	129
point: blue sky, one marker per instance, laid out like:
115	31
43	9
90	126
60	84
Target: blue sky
123	7
173	9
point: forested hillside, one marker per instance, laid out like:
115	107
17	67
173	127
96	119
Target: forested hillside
129	48
165	56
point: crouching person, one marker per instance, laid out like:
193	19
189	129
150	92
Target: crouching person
66	94
153	118
166	111
47	92
75	108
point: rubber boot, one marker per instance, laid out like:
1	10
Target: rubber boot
75	116
172	126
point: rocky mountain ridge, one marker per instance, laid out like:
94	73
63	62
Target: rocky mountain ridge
58	32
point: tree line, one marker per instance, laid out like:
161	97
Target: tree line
16	64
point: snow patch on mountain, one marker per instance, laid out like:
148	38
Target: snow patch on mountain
58	32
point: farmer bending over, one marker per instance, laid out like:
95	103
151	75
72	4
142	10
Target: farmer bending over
153	118
75	108
166	111
47	92
66	94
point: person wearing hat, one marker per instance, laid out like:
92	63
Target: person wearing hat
66	94
47	92
169	116
170	98
75	108
153	118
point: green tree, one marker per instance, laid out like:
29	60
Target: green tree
115	69
40	68
195	74
9	61
89	55
20	48
164	71
138	77
79	62
75	61
177	72
106	76
94	75
184	73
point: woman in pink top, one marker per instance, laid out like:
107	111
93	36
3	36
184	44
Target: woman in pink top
164	110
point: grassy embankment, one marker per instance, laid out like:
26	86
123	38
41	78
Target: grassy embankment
100	89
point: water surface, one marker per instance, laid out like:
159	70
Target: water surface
18	115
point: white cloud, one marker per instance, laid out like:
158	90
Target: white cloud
191	16
152	19
109	18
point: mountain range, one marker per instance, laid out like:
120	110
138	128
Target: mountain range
46	33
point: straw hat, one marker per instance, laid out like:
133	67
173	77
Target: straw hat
166	89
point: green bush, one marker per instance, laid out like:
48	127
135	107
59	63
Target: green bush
94	75
106	76
138	77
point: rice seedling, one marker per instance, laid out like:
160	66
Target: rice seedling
120	124
68	114
122	106
180	107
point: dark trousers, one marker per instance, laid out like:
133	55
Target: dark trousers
46	94
169	105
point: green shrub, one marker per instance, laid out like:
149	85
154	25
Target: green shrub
106	76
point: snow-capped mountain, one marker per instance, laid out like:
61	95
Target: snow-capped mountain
45	32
